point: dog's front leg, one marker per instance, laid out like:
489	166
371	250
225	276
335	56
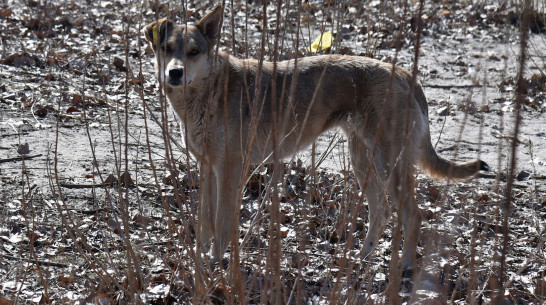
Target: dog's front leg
378	214
207	203
228	180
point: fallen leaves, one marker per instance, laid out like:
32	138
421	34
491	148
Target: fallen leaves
72	109
119	64
4	301
77	99
22	59
5	13
75	61
67	279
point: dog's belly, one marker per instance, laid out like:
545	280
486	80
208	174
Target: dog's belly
289	144
259	156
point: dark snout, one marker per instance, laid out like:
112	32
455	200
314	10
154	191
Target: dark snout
175	76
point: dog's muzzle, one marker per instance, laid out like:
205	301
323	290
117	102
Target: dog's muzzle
175	77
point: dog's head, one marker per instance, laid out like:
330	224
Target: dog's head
184	52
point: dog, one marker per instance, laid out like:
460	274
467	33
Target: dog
235	110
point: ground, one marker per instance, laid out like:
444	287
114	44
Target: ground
97	205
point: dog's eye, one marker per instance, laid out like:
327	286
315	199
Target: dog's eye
193	52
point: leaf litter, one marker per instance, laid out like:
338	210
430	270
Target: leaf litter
65	63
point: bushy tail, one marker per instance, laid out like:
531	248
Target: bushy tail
439	167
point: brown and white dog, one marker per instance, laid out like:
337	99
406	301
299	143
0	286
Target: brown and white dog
236	110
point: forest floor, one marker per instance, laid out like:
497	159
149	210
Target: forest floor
77	116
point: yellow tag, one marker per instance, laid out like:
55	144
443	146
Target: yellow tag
323	42
155	36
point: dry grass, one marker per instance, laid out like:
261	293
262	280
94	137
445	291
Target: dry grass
105	211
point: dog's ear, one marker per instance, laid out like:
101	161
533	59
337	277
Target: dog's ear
211	24
157	31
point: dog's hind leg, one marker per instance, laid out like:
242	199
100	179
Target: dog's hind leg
373	186
402	192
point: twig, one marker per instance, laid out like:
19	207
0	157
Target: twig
40	262
19	158
451	86
519	96
495	176
83	185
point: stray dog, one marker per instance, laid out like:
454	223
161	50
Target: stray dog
237	110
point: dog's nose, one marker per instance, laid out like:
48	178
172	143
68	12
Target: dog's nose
176	73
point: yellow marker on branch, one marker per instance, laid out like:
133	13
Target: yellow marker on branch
323	42
155	35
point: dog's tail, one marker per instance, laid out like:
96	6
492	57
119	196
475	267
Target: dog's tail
437	166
